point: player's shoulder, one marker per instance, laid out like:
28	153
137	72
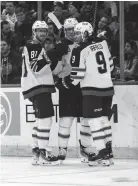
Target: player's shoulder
103	42
33	42
85	47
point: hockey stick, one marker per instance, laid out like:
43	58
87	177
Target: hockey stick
56	22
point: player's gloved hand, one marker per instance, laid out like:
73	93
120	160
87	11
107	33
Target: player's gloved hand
67	82
63	83
58	82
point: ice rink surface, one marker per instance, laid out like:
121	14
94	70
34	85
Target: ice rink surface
16	171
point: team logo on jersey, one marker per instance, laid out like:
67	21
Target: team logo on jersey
98	110
5	114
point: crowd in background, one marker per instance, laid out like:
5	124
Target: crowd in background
17	19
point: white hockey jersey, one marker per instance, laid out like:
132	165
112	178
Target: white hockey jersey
94	71
36	72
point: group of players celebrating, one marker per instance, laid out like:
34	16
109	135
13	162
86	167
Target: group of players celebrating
80	67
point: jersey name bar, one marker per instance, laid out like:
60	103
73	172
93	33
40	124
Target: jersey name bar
95	47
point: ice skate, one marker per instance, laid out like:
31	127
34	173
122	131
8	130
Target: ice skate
100	159
85	152
62	154
46	158
110	152
36	154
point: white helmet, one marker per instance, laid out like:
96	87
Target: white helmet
39	24
83	27
70	22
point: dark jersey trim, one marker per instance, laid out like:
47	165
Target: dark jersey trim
98	91
38	89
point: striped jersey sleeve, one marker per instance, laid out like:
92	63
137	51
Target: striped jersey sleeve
111	63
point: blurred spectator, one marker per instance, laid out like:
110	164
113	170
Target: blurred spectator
131	10
20	14
11	62
132	29
108	8
115	43
59	11
7	34
31	16
3	5
23	26
114	25
8	14
102	10
10	10
103	29
87	11
131	61
24	5
131	20
74	8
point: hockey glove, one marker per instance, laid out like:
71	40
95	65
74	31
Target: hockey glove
67	82
63	83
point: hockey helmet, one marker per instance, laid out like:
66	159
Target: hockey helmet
70	22
84	27
39	24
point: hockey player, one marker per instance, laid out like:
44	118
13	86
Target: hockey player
69	96
85	132
94	75
37	86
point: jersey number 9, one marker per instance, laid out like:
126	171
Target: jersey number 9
100	59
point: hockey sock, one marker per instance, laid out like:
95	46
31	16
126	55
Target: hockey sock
34	134
108	134
64	131
85	133
107	129
97	133
43	132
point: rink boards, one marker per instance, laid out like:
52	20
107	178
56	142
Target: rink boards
17	120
